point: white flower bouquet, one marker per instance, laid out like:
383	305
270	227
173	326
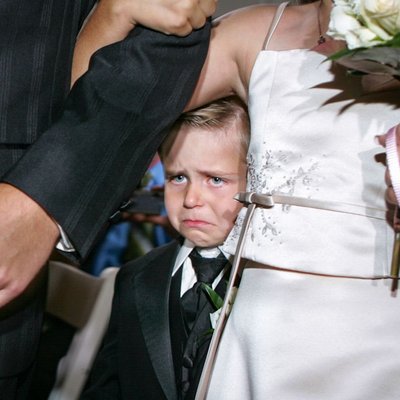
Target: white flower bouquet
371	30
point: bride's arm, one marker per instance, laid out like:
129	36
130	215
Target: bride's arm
111	20
236	39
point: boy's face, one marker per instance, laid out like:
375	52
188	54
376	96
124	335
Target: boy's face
204	171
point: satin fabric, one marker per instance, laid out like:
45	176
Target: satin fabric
310	320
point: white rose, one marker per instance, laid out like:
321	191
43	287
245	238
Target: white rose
381	16
349	7
344	25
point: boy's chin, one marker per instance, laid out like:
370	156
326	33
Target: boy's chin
204	242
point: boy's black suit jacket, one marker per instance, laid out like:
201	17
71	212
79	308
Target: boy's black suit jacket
135	361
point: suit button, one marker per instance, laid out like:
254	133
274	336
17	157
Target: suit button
185	386
187	362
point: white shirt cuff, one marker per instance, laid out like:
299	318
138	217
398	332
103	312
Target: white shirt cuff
64	244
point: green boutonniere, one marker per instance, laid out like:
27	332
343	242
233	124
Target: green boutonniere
217	301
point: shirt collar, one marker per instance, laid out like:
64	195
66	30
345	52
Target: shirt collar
184	252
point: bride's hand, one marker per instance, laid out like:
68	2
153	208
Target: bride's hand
390	193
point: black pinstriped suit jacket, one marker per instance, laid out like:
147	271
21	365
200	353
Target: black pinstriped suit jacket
86	160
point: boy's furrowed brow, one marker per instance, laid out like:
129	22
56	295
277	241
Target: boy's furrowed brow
217	172
173	171
205	172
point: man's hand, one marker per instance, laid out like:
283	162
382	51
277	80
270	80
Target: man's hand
177	17
27	236
111	20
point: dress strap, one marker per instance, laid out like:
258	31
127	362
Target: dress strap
277	17
269	201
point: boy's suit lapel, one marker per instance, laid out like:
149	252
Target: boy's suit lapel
151	289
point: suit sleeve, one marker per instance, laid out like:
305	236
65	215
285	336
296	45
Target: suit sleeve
87	164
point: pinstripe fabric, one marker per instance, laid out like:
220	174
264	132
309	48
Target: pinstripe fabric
9	155
36	44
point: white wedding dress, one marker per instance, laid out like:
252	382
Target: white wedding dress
315	317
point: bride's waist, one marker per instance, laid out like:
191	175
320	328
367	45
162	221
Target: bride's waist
316	241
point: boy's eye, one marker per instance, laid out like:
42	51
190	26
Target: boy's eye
216	181
178	179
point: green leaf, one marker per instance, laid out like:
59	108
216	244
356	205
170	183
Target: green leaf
374	60
215	298
395	42
340	54
208	332
385	55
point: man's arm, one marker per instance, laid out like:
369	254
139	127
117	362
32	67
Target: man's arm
111	21
87	164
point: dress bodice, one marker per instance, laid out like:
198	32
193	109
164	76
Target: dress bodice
310	139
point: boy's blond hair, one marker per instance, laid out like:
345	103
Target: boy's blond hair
221	115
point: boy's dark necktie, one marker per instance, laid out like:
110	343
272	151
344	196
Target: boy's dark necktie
196	307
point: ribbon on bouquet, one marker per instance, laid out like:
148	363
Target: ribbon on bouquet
392	159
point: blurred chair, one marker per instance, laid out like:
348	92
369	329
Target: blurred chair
83	301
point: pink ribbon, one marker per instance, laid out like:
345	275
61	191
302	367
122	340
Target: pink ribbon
392	158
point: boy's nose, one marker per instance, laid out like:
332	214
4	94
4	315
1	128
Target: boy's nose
193	196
